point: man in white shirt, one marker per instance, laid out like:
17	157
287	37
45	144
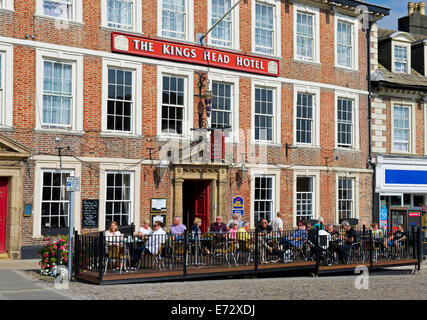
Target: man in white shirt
157	238
277	223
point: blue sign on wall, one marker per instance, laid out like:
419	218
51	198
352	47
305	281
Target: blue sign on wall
405	177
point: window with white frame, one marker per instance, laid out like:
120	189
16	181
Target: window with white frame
401	128
6	85
305	118
400	59
264	28
305	36
118	200
222	34
222	100
120	100
263	201
304	198
174	18
58	8
346	39
57	93
120	14
173	104
55	201
345	120
345	198
6	4
264	116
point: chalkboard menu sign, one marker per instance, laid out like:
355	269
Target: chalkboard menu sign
90	213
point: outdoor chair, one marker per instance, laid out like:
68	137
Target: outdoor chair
117	253
227	248
244	248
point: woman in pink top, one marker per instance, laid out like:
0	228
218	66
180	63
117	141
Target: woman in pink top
233	230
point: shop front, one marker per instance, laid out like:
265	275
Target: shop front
401	186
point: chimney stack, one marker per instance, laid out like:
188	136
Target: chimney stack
422	8
410	8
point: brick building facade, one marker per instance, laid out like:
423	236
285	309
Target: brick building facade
70	106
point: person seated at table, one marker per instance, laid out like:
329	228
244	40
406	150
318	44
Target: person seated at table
113	238
396	239
244	237
233	230
349	239
145	230
307	225
235	218
319	224
177	229
296	239
264	229
195	232
376	232
277	223
152	246
218	226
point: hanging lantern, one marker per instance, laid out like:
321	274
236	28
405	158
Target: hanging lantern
208	102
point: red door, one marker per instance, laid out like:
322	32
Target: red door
3	213
201	203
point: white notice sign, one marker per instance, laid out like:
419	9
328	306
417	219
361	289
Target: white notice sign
73	184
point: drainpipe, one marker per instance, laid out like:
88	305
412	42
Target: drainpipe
368	78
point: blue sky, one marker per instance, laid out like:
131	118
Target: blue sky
399	8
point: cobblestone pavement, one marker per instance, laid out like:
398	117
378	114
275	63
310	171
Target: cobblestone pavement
393	285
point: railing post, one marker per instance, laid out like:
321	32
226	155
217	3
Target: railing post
371	248
185	255
414	243
101	255
256	252
58	258
317	251
420	253
76	254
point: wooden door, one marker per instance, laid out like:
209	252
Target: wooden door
3	213
202	203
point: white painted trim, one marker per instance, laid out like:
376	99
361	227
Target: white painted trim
275	174
136	17
355	38
188	101
277	106
189	22
77	68
316	192
315	137
135	190
277	44
136	68
54	164
408	46
218	77
356	122
235	34
165	63
77	11
7	5
6	110
316	31
412	126
355	195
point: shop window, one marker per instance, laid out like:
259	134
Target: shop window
418	201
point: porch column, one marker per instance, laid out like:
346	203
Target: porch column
178	197
222	185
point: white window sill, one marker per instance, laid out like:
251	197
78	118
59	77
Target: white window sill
338	149
305	146
219	47
6	10
403	153
42	16
267	144
111	29
164	137
341	68
59	131
267	56
129	135
175	39
38	237
313	63
7	128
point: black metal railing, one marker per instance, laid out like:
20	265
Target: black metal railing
187	252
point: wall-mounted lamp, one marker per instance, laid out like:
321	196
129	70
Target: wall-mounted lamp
288	146
159	169
208	102
423	99
241	174
206	97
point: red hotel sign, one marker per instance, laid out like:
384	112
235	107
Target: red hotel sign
147	47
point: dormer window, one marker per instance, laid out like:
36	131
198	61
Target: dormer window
400	59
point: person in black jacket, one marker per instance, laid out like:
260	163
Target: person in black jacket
349	239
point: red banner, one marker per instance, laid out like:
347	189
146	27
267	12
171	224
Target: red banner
160	49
